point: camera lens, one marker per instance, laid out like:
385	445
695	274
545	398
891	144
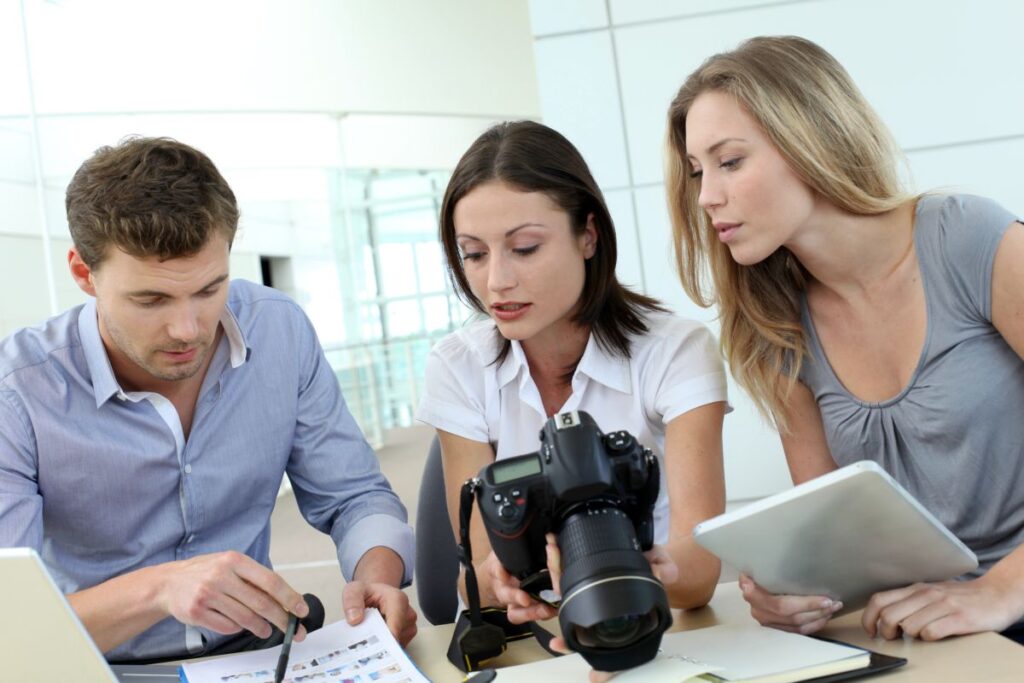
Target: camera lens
613	610
617	631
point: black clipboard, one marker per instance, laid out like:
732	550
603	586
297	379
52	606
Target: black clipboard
879	664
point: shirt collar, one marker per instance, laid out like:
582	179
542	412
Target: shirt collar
105	384
611	370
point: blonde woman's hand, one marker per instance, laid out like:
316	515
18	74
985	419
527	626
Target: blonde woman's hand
795	613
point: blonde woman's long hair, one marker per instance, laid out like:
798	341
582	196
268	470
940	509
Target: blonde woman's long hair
829	135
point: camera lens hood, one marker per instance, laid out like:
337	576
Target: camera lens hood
616	623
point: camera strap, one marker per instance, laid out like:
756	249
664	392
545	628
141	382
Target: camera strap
483	633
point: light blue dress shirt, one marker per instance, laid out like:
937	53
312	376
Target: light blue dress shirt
102	482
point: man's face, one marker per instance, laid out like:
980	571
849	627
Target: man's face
158	319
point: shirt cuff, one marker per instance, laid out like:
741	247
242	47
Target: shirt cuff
378	530
696	392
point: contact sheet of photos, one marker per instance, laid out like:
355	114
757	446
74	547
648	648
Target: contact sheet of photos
337	653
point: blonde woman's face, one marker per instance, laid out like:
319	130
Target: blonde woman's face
755	201
521	258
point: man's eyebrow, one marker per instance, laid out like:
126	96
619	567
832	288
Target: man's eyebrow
156	292
508	233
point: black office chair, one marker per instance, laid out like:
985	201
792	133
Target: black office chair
437	558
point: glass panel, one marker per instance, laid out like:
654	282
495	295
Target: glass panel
398	269
431	266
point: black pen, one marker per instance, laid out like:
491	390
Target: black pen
282	660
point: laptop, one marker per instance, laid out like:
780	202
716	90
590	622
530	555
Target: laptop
42	638
847	535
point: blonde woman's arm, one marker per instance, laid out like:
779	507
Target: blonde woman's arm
808	457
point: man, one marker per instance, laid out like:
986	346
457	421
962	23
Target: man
144	435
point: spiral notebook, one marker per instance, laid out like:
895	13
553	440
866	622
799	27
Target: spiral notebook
729	653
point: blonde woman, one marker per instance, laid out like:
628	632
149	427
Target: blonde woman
866	322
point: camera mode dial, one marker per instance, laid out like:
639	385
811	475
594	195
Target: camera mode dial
510	504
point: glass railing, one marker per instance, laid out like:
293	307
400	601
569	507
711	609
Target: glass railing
382	381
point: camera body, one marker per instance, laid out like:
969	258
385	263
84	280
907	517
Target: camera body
596	492
525	497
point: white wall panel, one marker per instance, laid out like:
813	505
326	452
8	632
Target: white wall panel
13	78
755	465
629	11
933	76
992	170
21	262
408	142
559	16
306	55
242	140
627	267
20	213
658	256
16	143
576	79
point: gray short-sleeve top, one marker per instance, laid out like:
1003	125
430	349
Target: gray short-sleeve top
954	437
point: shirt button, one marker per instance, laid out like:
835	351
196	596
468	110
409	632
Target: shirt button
188	469
122	396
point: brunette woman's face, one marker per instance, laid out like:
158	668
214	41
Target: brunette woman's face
754	199
521	257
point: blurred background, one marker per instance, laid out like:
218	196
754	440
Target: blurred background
337	122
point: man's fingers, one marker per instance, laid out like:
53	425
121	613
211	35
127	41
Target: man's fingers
272	584
394	606
217	622
409	630
239	613
353	601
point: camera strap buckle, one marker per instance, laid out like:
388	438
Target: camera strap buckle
483	634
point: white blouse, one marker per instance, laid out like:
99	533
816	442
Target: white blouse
675	367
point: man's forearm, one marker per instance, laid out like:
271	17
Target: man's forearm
117	610
380	564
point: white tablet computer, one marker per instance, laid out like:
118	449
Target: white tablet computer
847	534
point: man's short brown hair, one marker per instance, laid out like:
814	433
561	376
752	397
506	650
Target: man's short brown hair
148	197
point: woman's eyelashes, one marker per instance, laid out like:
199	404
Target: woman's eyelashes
475	256
726	164
731	164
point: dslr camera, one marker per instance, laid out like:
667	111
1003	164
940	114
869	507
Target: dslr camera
596	492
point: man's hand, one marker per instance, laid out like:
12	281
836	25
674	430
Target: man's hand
794	613
932	611
227	592
392	603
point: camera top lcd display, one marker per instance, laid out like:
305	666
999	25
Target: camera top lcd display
505	471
